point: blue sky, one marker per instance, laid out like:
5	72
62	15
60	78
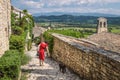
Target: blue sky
81	6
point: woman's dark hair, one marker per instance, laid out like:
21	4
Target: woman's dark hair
46	42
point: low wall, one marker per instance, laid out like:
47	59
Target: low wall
90	64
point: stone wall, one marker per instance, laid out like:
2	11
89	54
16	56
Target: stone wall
90	62
5	26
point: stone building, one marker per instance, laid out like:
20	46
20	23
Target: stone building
18	11
106	40
102	25
5	25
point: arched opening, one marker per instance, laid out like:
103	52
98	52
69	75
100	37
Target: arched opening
100	24
104	24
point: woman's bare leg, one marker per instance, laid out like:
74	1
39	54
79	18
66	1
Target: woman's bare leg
40	61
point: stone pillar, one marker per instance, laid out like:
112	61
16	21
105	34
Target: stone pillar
102	25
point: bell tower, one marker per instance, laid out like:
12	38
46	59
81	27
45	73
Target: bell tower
102	25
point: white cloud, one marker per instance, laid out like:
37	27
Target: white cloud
109	11
79	10
37	6
33	4
77	2
60	3
110	1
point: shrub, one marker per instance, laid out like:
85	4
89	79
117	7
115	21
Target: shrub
16	30
10	65
37	40
17	43
5	78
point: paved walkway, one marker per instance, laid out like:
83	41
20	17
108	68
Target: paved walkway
50	70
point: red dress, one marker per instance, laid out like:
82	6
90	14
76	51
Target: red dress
42	47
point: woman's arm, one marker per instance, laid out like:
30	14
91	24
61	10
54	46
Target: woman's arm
48	54
38	47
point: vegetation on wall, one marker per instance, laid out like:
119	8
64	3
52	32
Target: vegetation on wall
72	33
16	30
37	40
11	61
49	38
20	28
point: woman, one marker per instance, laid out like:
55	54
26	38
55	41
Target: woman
41	49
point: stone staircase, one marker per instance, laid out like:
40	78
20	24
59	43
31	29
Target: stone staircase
50	70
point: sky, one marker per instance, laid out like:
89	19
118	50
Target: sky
79	6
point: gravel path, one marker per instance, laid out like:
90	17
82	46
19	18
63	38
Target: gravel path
50	70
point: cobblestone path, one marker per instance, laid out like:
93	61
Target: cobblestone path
50	70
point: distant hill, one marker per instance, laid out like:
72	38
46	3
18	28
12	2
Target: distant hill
75	14
75	19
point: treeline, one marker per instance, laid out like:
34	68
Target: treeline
76	19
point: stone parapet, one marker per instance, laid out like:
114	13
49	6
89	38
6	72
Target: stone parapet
86	59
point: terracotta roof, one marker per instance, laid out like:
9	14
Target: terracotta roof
108	41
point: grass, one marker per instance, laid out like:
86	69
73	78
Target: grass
117	31
25	59
24	76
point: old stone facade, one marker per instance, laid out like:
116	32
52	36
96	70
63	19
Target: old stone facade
87	59
5	26
102	25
